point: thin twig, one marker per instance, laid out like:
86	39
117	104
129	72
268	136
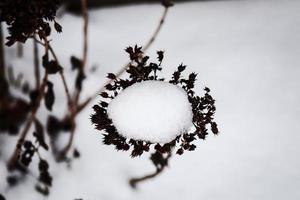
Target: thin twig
156	32
14	158
36	64
85	32
121	71
85	44
78	91
134	181
2	58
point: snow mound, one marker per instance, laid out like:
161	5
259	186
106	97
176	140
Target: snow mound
153	111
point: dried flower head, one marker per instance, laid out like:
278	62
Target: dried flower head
140	70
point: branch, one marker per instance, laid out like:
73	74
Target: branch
156	32
134	181
36	64
121	71
2	58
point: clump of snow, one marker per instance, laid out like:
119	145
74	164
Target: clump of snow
153	111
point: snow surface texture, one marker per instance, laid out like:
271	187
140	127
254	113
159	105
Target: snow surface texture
153	111
247	52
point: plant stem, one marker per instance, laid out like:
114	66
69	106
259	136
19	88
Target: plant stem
134	181
157	30
36	64
2	58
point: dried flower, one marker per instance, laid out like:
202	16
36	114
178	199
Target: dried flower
140	70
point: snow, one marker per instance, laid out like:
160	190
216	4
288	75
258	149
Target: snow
246	52
153	111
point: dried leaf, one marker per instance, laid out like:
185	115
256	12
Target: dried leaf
49	96
75	62
39	134
57	27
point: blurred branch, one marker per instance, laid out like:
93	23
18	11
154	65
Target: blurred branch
36	64
2	58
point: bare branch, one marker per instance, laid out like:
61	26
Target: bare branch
2	58
134	181
36	64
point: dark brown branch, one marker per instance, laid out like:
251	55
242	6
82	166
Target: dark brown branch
2	58
85	32
121	71
14	158
134	181
156	32
36	64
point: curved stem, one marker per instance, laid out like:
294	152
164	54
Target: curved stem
121	71
157	30
134	181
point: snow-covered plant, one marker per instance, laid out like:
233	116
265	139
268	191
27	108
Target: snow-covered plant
145	111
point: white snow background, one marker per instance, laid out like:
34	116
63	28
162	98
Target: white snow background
247	52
